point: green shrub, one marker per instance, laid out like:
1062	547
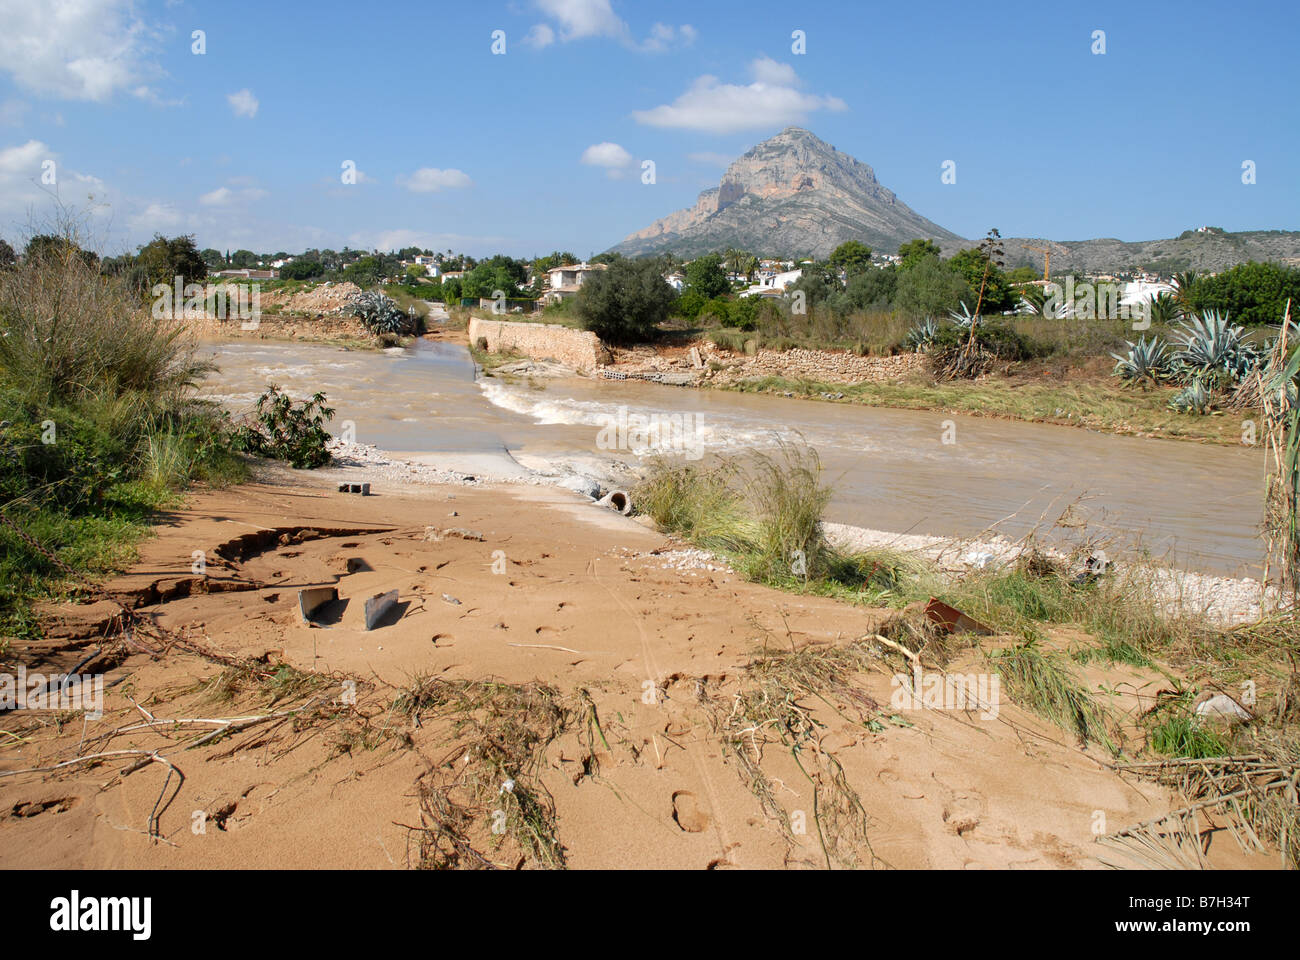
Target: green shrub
380	314
994	336
98	426
290	431
690	304
625	302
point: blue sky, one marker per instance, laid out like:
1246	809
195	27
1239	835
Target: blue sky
456	146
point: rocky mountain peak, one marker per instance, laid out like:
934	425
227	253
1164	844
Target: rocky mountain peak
793	193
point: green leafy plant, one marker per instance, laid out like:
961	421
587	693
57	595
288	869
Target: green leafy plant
1212	347
963	318
922	335
380	314
1193	398
1145	361
1165	309
290	431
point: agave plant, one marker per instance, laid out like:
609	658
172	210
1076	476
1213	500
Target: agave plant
1211	346
379	313
922	334
965	319
1193	398
1033	300
1145	361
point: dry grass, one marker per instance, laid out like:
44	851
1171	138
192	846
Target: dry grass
773	707
484	806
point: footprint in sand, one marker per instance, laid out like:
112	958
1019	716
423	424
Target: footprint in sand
962	813
33	808
688	813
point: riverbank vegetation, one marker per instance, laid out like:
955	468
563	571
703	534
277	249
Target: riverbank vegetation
1000	343
99	425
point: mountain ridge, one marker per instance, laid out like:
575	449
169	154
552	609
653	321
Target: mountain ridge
1212	250
796	195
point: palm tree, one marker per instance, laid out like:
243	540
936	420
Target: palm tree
1186	284
1165	308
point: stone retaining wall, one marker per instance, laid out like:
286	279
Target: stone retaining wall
826	366
280	327
580	349
723	367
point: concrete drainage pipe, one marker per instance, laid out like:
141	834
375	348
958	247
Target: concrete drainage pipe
617	500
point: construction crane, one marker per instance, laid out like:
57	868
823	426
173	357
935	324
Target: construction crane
1047	259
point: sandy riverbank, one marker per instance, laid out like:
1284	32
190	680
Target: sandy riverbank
628	657
1225	600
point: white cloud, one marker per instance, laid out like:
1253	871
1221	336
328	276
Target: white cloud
23	194
24	161
431	180
224	196
606	155
772	100
584	18
664	36
611	156
93	183
156	217
579	19
540	36
768	71
76	49
243	103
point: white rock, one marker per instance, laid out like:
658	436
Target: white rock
1221	705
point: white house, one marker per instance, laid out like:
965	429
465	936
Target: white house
775	284
675	280
1143	291
431	265
564	281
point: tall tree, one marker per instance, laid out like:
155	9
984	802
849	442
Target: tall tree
705	276
914	251
625	303
162	260
851	256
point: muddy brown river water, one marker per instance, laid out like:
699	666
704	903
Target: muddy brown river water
1197	505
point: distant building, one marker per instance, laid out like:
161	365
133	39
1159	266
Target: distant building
1143	291
773	285
564	281
676	281
249	274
